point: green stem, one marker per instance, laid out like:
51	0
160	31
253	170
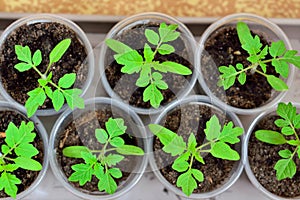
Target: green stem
38	71
48	68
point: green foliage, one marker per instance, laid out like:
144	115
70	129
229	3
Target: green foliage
17	141
144	64
186	152
58	93
102	163
281	57
289	124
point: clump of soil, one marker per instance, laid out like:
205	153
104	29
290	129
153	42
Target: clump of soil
27	177
124	84
81	132
43	36
184	121
263	157
223	48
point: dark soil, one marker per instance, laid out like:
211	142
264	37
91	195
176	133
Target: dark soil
81	131
124	84
43	36
222	49
192	119
27	177
263	157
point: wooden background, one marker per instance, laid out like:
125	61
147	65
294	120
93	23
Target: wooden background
180	8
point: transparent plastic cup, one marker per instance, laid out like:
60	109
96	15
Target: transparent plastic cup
237	168
5	106
269	29
139	132
248	170
141	19
46	18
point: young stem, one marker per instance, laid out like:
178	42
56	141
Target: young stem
48	68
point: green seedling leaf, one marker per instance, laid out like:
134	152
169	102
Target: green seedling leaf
294	142
270	137
277	49
58	99
180	165
165	135
213	128
276	83
59	50
168	33
287	131
8	182
285	153
89	158
148	53
118	47
23	53
22	67
187	182
75	151
198	175
36	98
242	78
117	142
115	127
132	62
281	67
115	172
83	173
166	49
290	57
152	36
281	123
285	168
153	94
37	58
228	76
224	151
113	159
67	80
192	142
107	183
130	150
101	135
176	68
176	146
296	121
73	99
230	134
26	150
28	163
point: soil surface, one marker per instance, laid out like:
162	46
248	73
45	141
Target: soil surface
43	36
124	84
263	157
192	119
222	49
27	177
81	131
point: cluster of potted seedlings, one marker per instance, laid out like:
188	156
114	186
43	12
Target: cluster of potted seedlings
149	64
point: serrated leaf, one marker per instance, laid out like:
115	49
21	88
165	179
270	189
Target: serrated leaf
10	167
153	94
281	67
58	99
291	58
152	36
107	183
286	111
187	182
198	175
277	48
73	99
276	83
263	53
166	49
98	170
263	67
144	78
165	135
250	44
199	158
83	173
115	127
173	67
75	151
228	75
285	153
26	150
12	135
28	163
113	159
230	134
148	53
115	172
88	157
9	182
287	131
67	80
117	46
22	67
168	33
131	60
23	53
285	168
130	150
242	78
213	128
59	50
224	151
270	137
37	58
101	135
176	146
36	98
26	132
296	121
117	142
